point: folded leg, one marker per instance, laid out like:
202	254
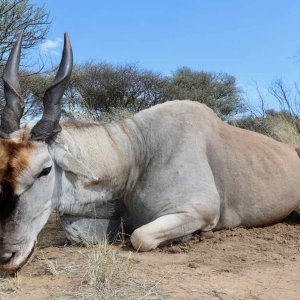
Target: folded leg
88	230
169	227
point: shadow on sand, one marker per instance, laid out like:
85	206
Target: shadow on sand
293	218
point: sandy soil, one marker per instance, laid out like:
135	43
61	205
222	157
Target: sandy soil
260	263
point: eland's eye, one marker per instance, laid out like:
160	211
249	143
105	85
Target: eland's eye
45	172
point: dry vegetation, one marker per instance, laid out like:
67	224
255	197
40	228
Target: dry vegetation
260	263
280	126
283	129
86	114
78	272
9	286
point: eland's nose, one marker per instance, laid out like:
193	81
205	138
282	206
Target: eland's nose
5	258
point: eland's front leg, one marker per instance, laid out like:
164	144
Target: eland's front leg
170	227
88	230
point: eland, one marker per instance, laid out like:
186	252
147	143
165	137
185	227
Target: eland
168	171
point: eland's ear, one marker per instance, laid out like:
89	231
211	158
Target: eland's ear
65	160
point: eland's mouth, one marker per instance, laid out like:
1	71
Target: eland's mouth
13	262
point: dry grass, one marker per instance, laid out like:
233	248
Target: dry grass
9	285
105	270
51	267
280	127
111	277
283	129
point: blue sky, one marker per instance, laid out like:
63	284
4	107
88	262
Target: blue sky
252	40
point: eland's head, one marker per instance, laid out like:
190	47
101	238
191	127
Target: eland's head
27	171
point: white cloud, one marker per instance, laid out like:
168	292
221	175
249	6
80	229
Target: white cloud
52	46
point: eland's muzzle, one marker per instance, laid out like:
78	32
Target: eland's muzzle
12	262
5	258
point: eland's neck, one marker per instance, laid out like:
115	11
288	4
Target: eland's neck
116	153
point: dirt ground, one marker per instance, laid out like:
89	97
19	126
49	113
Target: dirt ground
259	263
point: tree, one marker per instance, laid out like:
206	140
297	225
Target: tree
33	87
21	16
217	90
283	123
103	87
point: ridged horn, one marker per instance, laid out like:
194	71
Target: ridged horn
14	107
48	126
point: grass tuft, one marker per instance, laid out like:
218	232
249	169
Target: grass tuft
9	285
106	272
283	129
111	277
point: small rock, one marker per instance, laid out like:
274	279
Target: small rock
193	265
175	249
207	234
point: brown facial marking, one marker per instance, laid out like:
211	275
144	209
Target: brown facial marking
14	158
